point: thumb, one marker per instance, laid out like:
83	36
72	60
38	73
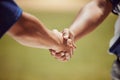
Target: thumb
66	34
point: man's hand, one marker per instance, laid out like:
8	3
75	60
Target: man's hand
67	45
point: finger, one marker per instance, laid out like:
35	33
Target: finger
64	59
74	46
68	56
66	34
52	52
71	52
69	43
58	55
70	47
61	56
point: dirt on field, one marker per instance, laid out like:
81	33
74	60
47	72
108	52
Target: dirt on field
52	5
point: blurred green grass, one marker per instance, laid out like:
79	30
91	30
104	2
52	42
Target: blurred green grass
90	61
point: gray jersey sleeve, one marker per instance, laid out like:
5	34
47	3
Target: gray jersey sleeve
116	6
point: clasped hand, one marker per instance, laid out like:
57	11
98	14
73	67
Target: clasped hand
66	45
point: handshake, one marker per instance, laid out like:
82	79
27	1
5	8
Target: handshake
64	50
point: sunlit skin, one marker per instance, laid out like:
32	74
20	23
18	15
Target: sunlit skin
88	19
29	31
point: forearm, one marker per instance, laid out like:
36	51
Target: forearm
29	31
90	17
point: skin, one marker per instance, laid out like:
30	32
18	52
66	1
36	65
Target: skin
29	31
88	19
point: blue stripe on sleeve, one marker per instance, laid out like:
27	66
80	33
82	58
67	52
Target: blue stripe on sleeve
9	14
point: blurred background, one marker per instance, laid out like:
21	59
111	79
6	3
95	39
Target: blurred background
90	61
